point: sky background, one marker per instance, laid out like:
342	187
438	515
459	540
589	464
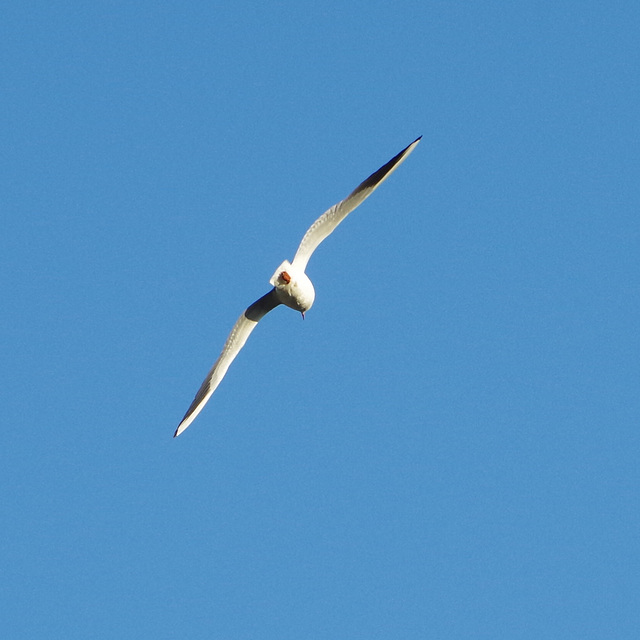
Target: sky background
448	445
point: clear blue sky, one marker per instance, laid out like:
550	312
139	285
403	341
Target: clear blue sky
448	445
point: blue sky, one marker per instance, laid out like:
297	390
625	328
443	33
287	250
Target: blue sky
447	446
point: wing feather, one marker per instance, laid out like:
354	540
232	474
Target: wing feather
241	330
331	218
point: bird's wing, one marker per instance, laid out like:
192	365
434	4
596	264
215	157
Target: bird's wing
330	219
241	330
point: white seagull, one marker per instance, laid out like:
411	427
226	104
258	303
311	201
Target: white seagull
291	285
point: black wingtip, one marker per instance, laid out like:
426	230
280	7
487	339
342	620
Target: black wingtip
378	176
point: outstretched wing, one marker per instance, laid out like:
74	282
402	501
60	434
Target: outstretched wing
241	330
329	220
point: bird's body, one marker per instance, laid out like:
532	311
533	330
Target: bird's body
291	285
293	288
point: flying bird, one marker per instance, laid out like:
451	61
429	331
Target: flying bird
291	285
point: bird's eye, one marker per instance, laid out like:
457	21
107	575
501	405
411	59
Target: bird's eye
286	277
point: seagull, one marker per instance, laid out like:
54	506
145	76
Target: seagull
291	285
